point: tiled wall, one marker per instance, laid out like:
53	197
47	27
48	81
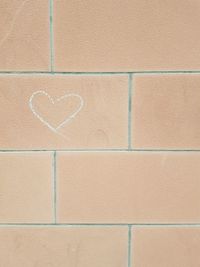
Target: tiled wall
99	133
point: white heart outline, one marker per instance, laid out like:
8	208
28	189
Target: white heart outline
67	120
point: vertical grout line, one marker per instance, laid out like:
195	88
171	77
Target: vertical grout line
51	35
129	244
54	187
129	109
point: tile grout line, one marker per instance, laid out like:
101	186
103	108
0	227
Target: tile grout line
129	245
89	73
51	35
99	150
138	225
54	186
129	109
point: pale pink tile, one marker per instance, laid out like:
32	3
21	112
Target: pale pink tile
128	187
165	111
94	109
166	247
24	35
126	35
26	188
63	247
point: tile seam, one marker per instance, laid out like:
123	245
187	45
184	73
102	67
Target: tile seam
142	225
129	245
99	150
95	73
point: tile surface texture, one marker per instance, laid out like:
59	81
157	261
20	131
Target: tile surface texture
126	35
24	35
134	187
63	247
99	133
166	247
165	111
94	107
25	188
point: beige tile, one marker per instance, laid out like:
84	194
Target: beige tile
24	35
63	247
165	111
166	247
126	35
25	188
123	187
99	106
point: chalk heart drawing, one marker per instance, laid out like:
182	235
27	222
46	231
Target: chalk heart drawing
55	101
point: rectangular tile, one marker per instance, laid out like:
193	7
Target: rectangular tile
125	35
26	188
60	112
63	247
128	187
165	111
166	247
24	35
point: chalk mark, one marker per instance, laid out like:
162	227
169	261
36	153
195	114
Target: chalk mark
13	22
67	119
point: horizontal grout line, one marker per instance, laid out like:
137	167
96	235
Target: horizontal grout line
61	224
60	73
62	150
100	73
129	225
97	150
164	150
